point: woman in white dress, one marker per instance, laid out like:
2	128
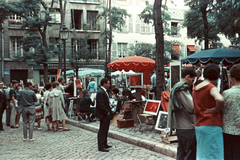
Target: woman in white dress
47	116
56	105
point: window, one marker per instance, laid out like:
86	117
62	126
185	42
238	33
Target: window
122	50
93	47
15	19
138	24
16	46
124	27
130	23
145	28
55	14
174	29
76	19
92	21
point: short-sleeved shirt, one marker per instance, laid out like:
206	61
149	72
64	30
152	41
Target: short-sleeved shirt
28	97
231	111
13	93
203	100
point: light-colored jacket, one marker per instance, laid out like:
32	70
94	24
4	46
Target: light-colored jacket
56	105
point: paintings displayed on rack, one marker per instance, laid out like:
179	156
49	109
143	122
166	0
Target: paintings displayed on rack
152	107
161	124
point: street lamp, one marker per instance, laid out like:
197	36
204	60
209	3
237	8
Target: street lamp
64	32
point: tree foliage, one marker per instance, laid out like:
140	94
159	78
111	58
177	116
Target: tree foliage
36	18
147	16
200	21
228	19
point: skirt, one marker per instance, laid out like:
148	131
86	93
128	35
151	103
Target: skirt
39	112
209	143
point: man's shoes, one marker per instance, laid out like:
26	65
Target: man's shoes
107	146
14	126
1	129
24	139
103	150
32	139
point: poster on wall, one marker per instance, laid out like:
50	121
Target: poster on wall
175	73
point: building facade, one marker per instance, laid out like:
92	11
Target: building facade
136	30
80	19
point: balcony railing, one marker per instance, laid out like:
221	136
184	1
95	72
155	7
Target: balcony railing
15	23
95	27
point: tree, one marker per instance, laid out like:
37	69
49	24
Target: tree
149	50
115	20
159	61
200	21
80	51
228	19
37	18
147	16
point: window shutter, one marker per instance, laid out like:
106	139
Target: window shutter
114	51
130	26
138	25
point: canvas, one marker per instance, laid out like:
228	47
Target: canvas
152	107
161	124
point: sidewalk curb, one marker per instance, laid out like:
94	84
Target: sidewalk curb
162	148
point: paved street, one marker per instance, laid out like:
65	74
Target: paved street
74	144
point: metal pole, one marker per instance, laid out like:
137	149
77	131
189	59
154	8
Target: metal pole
2	53
60	59
64	47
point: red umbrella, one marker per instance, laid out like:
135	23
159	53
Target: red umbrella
135	63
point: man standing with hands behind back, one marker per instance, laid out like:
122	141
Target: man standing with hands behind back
103	113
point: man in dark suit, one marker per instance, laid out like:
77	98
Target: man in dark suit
103	113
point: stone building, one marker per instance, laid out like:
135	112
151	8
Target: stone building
81	17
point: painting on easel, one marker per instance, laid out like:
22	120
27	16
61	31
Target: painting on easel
152	107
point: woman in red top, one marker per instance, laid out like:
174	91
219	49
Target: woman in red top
208	103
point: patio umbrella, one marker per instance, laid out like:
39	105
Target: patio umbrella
135	63
226	56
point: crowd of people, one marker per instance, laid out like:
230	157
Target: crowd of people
207	123
34	105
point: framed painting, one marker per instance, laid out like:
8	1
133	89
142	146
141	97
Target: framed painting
175	74
152	107
136	80
161	124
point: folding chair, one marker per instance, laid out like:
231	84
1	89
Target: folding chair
84	115
70	110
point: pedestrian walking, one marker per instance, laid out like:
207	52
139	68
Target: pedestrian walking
181	111
13	104
208	103
56	105
28	99
2	104
103	112
38	108
231	116
7	102
92	86
19	111
47	115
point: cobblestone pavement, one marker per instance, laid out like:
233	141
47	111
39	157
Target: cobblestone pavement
149	133
74	144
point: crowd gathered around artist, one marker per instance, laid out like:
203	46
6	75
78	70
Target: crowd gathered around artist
207	123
